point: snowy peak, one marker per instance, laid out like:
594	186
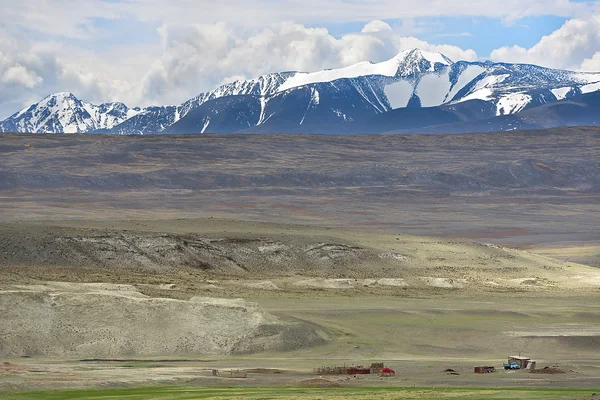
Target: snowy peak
59	97
57	112
57	102
408	63
432	57
64	113
413	62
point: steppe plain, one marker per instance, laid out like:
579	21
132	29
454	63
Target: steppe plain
426	252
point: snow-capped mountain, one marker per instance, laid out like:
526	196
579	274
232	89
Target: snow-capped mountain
292	110
157	119
293	101
64	113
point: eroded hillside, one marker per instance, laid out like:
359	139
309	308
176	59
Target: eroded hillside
233	257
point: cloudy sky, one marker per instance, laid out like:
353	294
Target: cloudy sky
144	52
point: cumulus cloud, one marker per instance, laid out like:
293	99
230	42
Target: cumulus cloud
575	45
199	57
376	26
32	70
19	75
591	64
76	18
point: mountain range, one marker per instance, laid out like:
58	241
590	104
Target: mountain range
416	91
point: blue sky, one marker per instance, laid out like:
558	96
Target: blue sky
146	52
482	34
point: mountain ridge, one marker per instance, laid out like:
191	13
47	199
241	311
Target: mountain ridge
288	101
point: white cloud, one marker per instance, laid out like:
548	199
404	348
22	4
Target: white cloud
32	70
376	26
70	18
19	75
591	64
77	18
575	46
199	57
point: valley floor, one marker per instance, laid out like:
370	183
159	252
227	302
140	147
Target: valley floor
418	337
509	264
421	305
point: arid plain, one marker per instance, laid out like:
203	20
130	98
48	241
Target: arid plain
426	252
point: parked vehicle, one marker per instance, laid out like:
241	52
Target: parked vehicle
512	366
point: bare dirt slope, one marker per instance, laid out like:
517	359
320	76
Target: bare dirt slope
103	320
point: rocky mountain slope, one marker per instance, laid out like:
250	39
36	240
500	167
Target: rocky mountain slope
307	102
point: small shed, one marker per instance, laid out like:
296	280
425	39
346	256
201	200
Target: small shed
387	372
484	370
522	361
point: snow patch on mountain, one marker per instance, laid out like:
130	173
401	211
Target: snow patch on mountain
399	93
588	77
353	71
590	88
206	124
467	76
512	103
313	103
481	94
315	99
561	93
433	89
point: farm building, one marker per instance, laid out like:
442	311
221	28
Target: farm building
387	372
522	361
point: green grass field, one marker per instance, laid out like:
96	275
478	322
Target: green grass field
304	393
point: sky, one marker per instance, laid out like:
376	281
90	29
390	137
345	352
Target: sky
144	52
